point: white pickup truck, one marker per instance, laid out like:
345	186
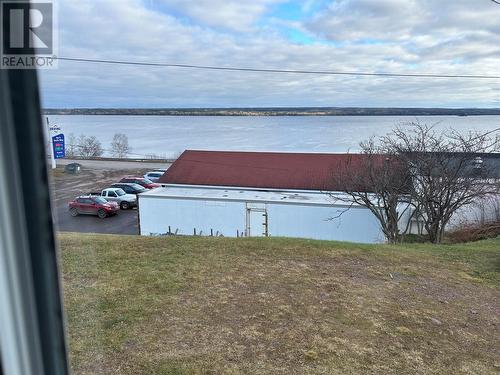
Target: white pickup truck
117	195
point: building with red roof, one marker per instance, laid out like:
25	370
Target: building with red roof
236	193
263	170
240	193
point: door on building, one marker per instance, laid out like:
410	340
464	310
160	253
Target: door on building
257	220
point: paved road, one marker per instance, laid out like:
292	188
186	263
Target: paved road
125	222
114	164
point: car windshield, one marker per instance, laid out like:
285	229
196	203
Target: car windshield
120	192
138	187
100	200
146	181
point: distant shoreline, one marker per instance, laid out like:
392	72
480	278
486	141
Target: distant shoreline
278	111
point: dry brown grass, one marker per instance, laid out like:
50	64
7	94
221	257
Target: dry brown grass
140	305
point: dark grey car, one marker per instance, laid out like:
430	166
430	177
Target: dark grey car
73	168
130	188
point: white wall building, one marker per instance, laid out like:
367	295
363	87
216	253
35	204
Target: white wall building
231	212
255	194
233	194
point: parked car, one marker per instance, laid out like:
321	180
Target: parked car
91	205
130	188
147	183
73	168
162	170
124	200
153	176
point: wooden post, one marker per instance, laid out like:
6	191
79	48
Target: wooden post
169	231
211	232
237	233
194	231
138	214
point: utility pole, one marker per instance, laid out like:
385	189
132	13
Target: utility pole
51	147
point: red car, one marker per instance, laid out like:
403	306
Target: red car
148	184
91	205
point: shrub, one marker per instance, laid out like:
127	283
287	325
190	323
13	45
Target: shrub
476	232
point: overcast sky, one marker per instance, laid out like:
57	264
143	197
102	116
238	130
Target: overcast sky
407	36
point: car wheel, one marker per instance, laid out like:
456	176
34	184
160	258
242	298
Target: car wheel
124	206
73	211
101	213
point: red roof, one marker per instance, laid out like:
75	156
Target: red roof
271	170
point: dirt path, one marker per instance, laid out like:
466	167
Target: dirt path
114	164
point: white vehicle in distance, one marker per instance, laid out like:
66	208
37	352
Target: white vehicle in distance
153	176
119	196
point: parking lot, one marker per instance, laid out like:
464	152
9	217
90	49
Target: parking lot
95	175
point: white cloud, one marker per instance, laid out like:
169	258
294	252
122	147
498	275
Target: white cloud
396	20
348	20
133	30
437	30
232	14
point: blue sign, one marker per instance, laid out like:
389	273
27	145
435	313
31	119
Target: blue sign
58	146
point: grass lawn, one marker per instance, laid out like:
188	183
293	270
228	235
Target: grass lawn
191	305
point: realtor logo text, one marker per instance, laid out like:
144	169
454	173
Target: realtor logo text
28	35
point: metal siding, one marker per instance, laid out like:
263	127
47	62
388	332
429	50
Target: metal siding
483	210
313	222
305	221
225	218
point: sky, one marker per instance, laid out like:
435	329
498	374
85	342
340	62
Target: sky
402	36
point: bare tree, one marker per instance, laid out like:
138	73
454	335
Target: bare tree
71	146
154	156
119	146
80	145
446	168
378	181
89	146
486	210
418	172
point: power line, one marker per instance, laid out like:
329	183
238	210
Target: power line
292	71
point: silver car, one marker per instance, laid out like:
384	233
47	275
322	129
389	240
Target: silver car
153	176
117	195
